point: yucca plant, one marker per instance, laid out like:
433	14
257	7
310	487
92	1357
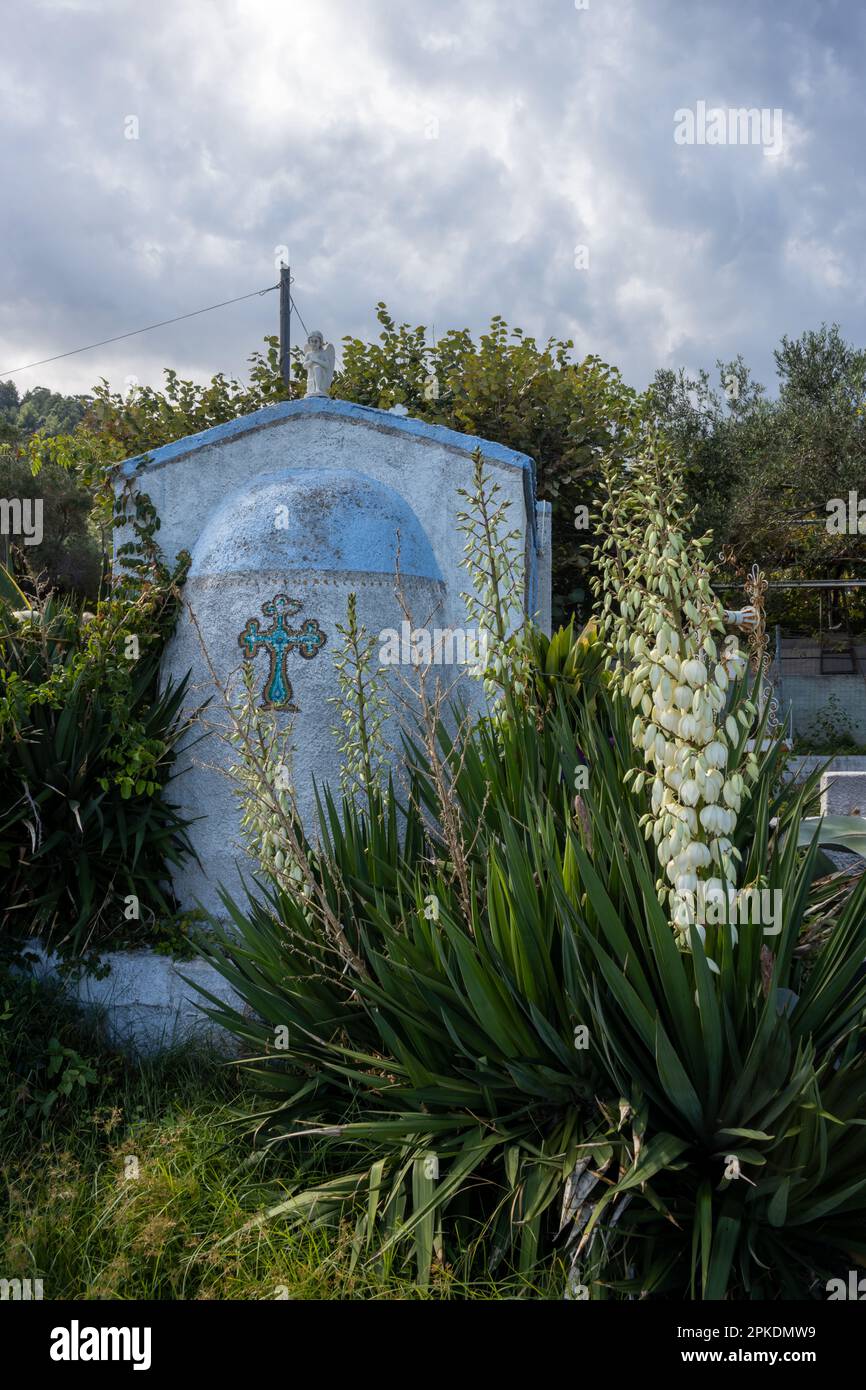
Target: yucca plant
442	1066
750	1081
444	1074
481	1001
565	660
726	1029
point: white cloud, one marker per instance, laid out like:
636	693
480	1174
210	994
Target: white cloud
820	263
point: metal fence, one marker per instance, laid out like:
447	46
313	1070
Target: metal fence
820	684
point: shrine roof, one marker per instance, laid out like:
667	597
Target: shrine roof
364	415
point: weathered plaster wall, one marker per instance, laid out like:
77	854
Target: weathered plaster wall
311	499
342	538
426	464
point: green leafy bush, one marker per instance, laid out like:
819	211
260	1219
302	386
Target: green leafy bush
43	1073
68	555
87	743
830	731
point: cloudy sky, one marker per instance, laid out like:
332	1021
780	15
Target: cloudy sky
458	159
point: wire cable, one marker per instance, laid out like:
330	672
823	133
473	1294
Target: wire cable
298	312
136	331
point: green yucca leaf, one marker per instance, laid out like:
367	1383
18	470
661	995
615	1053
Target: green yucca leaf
675	1081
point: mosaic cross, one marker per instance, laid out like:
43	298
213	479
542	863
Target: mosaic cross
278	641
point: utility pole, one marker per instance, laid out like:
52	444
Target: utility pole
285	325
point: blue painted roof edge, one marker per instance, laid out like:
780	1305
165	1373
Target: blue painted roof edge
324	405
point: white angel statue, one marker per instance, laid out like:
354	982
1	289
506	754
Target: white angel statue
319	363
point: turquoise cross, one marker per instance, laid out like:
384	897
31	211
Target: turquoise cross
278	641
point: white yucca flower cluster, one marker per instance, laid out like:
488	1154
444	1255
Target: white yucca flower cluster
495	606
667	630
263	784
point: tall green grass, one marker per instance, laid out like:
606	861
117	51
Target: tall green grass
75	1213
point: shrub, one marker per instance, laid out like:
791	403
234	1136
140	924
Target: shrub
44	1072
830	731
68	555
87	744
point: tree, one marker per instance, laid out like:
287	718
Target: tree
8	411
506	387
39	410
530	397
68	555
762	472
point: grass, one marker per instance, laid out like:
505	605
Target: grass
137	1184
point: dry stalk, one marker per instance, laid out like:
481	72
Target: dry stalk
317	899
430	709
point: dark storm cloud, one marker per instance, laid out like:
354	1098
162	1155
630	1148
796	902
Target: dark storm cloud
447	158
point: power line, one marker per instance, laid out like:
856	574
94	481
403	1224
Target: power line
136	331
805	584
298	312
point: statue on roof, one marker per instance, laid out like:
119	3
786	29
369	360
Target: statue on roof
319	359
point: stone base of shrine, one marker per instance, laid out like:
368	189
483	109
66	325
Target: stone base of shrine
147	1003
